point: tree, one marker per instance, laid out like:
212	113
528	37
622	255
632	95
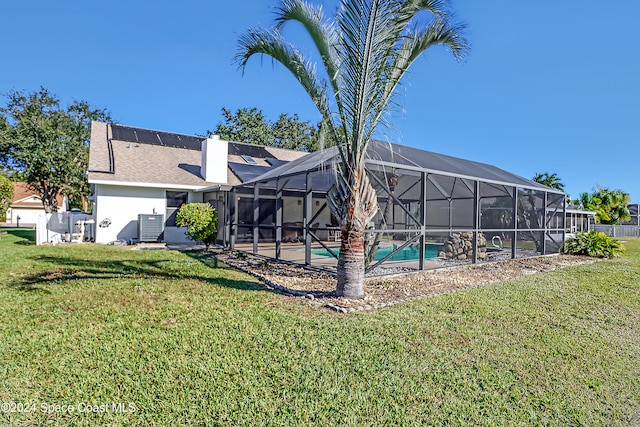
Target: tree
550	180
364	50
6	196
47	144
201	221
250	126
292	133
246	125
610	206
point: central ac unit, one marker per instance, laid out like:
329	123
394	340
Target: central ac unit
150	227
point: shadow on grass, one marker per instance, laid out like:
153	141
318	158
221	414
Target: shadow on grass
69	269
27	236
212	262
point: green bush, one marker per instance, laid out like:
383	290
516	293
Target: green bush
201	221
594	244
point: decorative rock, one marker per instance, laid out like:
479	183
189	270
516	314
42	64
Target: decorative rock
460	246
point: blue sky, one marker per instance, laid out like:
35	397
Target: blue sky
549	86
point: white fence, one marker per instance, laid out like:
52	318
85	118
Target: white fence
618	230
56	228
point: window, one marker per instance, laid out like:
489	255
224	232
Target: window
175	199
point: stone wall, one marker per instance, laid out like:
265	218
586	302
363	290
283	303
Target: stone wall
460	246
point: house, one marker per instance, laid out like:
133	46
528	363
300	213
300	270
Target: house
27	205
634	213
134	171
273	202
579	220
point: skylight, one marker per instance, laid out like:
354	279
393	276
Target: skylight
250	160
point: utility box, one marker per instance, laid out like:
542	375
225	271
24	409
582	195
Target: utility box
150	227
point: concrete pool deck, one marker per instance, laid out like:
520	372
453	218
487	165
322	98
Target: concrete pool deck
294	253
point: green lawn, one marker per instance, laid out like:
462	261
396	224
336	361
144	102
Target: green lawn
186	342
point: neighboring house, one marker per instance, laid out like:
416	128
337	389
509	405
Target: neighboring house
27	205
135	172
634	212
578	220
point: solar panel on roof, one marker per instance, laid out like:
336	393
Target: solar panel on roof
122	133
248	150
248	172
145	136
275	162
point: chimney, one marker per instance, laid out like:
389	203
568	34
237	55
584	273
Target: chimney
214	160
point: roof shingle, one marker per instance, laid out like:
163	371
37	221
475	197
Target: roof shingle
170	160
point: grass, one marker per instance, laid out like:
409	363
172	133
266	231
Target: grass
187	342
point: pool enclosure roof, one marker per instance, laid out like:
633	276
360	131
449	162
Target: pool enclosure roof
385	155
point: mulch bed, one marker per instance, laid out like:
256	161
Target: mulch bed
318	288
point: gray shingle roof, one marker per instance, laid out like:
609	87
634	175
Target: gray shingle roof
121	154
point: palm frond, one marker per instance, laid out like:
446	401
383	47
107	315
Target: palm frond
258	41
324	35
378	48
272	44
367	30
322	31
440	32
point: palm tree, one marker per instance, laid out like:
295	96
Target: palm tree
550	180
364	50
615	204
610	206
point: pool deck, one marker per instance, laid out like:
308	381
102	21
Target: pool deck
294	253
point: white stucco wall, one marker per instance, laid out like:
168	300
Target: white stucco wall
121	205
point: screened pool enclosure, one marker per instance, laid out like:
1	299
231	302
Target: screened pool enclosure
435	211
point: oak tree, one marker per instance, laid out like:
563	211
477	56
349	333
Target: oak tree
48	144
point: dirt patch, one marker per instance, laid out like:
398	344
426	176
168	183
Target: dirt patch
319	287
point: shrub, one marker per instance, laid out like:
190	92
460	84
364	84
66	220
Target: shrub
201	221
594	244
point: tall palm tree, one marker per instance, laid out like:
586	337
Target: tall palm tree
365	50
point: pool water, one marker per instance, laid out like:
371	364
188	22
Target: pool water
410	253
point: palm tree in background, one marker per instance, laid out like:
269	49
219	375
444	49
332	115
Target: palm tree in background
610	206
550	180
364	51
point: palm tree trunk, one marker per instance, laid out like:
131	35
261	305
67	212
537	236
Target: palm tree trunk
361	206
351	262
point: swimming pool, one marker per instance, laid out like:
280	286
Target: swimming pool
410	253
